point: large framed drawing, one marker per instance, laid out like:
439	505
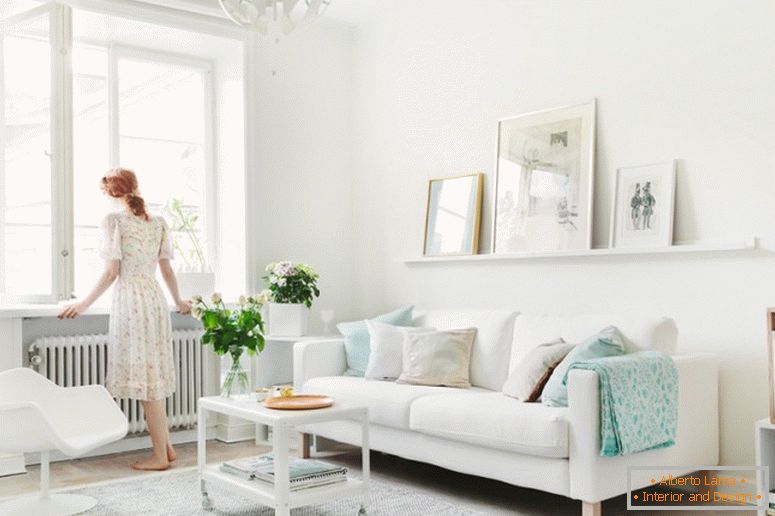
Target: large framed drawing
544	180
644	200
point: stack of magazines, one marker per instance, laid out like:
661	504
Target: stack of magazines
303	473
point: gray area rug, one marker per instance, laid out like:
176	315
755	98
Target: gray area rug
177	494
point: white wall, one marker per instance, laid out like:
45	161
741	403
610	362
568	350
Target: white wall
303	196
688	79
230	173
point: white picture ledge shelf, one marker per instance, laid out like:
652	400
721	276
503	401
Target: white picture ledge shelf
582	253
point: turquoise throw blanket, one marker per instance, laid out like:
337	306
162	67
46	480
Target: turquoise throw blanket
638	401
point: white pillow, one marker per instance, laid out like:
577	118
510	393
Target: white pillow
386	354
441	358
527	381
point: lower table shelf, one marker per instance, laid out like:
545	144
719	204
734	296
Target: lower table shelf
265	495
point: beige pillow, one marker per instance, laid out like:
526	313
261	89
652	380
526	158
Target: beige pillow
441	358
531	374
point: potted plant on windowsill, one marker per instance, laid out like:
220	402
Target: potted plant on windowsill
195	278
292	287
234	331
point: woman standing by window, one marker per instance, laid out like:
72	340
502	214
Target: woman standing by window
140	362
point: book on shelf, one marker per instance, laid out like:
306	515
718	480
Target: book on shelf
302	473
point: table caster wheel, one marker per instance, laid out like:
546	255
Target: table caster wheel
362	511
207	504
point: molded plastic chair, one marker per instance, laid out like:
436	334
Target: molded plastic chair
37	415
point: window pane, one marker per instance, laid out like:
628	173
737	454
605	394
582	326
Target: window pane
162	138
25	176
91	159
161	101
162	120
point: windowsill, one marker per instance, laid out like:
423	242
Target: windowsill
17	311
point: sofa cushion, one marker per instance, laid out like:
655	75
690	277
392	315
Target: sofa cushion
493	420
641	332
494	330
386	356
527	381
356	338
608	342
388	402
440	358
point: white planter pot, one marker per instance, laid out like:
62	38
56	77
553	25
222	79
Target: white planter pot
287	320
192	284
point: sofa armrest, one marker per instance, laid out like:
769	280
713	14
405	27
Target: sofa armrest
315	358
594	478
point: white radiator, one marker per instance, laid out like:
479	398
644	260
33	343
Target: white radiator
82	360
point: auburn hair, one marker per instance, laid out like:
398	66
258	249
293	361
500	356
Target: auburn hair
121	183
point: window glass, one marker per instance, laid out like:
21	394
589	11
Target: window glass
25	167
91	159
162	119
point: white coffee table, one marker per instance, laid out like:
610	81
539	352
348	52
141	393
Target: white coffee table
280	496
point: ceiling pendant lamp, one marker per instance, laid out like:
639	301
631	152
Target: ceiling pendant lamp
274	17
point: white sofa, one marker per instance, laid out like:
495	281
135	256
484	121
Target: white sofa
482	432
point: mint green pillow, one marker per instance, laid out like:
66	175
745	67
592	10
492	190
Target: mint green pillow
356	338
606	343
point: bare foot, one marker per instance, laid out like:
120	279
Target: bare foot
151	464
171	455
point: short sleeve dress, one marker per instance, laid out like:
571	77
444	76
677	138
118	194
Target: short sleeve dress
140	359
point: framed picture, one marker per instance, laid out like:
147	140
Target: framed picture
544	180
644	201
453	215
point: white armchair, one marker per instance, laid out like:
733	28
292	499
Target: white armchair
37	415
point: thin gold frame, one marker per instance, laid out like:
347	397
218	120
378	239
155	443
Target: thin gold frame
477	216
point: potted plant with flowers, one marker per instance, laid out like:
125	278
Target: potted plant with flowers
234	331
292	288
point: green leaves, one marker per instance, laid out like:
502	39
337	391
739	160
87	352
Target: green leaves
231	331
292	283
183	219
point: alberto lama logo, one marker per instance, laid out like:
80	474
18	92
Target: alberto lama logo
721	488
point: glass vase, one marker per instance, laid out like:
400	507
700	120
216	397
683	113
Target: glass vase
235	383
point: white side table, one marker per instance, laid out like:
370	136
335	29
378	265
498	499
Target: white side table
280	496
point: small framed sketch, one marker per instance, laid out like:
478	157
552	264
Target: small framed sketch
453	215
644	203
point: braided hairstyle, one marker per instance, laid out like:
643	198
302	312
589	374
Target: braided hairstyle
121	183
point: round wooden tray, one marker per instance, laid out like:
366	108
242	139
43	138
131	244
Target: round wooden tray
299	402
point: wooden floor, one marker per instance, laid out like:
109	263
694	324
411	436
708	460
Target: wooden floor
488	496
78	472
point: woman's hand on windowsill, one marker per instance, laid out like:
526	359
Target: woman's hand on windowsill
183	307
73	311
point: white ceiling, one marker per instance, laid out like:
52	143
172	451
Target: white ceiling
349	11
353	12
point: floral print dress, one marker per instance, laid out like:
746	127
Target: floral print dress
140	359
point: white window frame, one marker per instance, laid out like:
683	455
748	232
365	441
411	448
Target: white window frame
61	37
61	155
117	52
